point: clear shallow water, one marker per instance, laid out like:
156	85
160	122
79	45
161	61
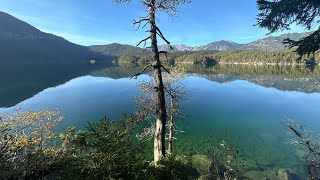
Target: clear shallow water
254	113
241	108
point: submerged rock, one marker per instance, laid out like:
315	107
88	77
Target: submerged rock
182	159
285	174
263	175
202	163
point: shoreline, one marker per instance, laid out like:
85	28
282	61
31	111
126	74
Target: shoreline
248	63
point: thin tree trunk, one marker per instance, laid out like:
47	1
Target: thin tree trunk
171	127
159	136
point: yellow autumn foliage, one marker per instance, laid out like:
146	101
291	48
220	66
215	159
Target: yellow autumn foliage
27	143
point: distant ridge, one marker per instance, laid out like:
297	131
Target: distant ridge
266	44
273	42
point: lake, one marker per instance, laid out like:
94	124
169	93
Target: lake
240	102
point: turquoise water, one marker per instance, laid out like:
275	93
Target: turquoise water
238	108
254	113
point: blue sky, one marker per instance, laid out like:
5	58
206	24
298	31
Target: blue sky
104	22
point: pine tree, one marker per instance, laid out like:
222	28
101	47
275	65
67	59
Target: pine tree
280	14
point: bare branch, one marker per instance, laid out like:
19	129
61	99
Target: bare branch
147	3
143	70
165	69
145	17
139	23
143	40
145	24
309	141
305	141
170	7
161	35
171	95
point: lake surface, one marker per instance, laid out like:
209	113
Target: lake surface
245	105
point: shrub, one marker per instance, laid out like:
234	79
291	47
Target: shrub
171	168
107	152
27	148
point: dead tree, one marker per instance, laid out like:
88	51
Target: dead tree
175	91
152	7
171	122
311	143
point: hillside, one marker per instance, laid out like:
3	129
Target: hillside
123	53
116	49
23	43
272	43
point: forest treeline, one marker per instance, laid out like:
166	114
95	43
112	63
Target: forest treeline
280	57
254	70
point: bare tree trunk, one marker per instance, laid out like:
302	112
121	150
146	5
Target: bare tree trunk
171	127
159	136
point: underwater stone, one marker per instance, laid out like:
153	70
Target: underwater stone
284	174
182	159
202	163
263	175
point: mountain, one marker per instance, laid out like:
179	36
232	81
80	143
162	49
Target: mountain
180	47
214	46
23	43
218	46
272	43
116	49
266	44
